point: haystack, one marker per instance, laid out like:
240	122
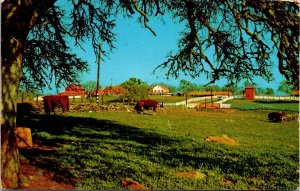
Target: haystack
223	139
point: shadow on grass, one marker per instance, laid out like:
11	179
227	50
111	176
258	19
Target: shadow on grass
275	101
88	127
69	130
146	144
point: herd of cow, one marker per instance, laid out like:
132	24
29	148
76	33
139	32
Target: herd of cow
51	102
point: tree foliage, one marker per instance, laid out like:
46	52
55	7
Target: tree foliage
285	87
233	88
212	88
244	36
172	89
259	90
269	91
186	86
137	89
89	86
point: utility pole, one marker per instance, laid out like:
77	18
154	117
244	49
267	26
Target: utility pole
98	72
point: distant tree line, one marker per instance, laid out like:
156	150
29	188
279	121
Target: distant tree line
138	89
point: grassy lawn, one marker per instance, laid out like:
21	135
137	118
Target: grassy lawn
99	149
283	105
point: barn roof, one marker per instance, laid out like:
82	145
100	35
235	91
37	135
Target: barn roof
115	90
73	90
250	87
74	87
111	90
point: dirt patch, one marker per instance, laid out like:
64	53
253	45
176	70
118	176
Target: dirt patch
223	139
194	174
34	178
226	182
134	185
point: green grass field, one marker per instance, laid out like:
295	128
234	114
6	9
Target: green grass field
283	105
97	150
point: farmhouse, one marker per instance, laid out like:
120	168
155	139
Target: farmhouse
159	90
73	90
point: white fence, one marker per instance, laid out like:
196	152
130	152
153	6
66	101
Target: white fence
225	99
40	98
225	106
188	102
265	97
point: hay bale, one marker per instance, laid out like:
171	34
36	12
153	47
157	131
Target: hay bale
223	139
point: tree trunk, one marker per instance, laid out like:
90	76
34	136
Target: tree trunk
15	27
17	19
11	72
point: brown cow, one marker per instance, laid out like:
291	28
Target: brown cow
276	116
50	102
142	105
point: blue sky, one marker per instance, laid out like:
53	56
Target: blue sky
138	52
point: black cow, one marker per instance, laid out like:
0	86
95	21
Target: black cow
142	105
276	116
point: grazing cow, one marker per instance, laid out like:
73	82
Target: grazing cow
142	105
276	116
50	102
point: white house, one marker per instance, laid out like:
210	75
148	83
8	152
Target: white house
159	89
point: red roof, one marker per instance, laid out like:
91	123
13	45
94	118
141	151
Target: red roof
111	90
73	90
100	92
115	90
250	87
74	87
296	92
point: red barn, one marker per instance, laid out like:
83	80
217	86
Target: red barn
73	90
250	93
115	90
111	90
